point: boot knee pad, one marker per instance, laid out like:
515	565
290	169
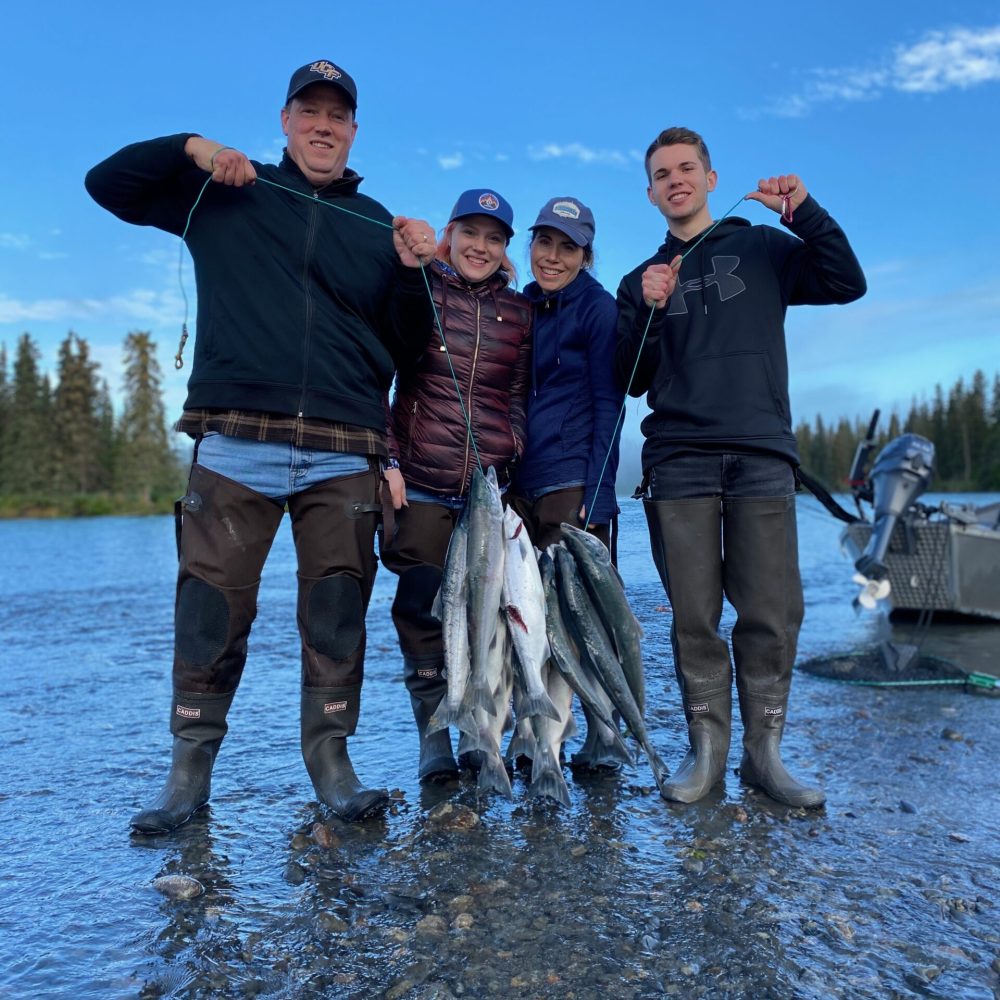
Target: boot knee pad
415	595
202	622
335	616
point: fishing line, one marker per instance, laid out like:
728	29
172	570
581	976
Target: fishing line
631	378
179	359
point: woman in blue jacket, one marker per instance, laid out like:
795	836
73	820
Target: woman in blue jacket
574	402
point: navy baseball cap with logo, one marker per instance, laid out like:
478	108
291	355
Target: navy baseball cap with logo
323	71
484	201
569	216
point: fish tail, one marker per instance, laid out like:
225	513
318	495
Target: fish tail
520	746
547	779
479	695
445	716
536	705
493	775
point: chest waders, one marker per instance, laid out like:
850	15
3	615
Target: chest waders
225	535
746	548
416	554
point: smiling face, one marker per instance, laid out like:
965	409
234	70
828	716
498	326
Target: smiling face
320	126
478	243
555	259
678	186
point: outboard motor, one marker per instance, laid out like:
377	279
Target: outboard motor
902	471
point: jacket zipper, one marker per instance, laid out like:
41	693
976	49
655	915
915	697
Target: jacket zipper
468	407
413	424
310	242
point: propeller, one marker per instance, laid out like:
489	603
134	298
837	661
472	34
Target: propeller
872	591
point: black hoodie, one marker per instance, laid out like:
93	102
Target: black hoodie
714	363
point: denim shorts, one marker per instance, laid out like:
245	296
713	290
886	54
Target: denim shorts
275	469
729	476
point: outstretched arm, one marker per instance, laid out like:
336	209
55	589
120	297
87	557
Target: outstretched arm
822	269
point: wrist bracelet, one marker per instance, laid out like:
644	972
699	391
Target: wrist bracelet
215	154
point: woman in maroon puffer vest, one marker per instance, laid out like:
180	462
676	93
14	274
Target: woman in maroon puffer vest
486	327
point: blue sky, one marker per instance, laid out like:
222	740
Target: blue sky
890	120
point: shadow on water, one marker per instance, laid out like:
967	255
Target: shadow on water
890	891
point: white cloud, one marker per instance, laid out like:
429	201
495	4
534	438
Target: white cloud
942	60
957	58
450	161
15	241
577	151
139	306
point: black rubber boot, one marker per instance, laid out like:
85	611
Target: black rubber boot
686	541
424	681
329	716
198	724
763	584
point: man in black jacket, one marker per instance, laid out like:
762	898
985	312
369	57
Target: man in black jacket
309	292
720	454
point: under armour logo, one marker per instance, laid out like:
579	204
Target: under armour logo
722	277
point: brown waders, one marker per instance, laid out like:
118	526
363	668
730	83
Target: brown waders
416	555
543	516
224	541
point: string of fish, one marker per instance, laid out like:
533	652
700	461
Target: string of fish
179	357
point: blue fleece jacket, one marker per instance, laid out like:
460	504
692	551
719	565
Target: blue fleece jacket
574	402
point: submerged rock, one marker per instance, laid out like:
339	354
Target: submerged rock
178	886
452	818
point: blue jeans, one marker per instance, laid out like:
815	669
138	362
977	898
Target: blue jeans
275	469
729	476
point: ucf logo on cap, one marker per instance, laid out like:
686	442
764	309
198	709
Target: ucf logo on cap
489	201
326	69
566	209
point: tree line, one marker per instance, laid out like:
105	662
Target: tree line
964	426
63	450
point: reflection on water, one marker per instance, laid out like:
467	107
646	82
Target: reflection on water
889	892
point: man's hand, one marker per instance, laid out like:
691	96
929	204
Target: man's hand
414	240
781	194
226	165
397	488
658	281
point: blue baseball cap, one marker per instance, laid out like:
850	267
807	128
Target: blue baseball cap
484	201
569	216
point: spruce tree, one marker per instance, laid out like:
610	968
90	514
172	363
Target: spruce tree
146	465
75	419
27	437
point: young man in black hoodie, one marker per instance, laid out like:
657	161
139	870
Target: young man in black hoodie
308	294
720	454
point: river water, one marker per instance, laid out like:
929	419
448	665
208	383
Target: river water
891	891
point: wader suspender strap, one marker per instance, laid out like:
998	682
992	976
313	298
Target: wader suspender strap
822	495
179	502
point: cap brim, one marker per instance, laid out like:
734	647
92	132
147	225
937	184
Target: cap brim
579	238
465	215
328	83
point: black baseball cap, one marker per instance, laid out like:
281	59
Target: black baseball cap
323	71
